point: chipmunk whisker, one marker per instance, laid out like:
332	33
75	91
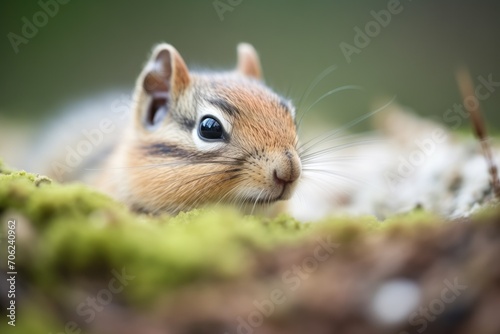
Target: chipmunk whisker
315	83
256	200
336	148
347	126
337	175
337	159
324	96
323	140
319	186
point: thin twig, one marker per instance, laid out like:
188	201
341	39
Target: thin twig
467	90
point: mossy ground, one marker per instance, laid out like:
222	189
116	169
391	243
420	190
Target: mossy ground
70	240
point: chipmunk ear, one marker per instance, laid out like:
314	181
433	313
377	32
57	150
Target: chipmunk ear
248	61
164	78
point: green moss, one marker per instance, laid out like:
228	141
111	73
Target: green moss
84	234
195	246
33	320
487	212
81	237
42	201
415	219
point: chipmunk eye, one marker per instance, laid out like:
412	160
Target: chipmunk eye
210	129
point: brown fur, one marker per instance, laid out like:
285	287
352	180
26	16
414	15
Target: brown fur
163	170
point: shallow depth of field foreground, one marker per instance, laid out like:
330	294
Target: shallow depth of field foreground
85	264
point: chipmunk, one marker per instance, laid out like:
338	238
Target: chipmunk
199	138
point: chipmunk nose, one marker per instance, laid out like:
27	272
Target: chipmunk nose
279	179
288	169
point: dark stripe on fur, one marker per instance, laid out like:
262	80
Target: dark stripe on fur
171	150
162	149
225	106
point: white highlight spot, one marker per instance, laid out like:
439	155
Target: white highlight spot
395	300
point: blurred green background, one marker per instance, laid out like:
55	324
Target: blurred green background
94	46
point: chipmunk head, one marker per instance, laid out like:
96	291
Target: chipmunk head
203	138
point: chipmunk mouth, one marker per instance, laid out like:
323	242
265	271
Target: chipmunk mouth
284	195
